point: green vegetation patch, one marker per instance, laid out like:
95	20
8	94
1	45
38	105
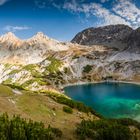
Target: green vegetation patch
67	109
21	129
33	69
40	81
15	71
54	65
62	99
15	86
87	68
30	67
7	66
67	70
127	122
103	130
77	105
7	81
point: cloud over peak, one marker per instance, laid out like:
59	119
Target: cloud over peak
121	11
128	11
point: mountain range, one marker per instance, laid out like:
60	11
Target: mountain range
34	72
94	54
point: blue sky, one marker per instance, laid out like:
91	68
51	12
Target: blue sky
62	19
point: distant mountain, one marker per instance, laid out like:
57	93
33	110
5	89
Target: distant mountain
10	41
121	37
32	50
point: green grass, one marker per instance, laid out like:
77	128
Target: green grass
5	91
33	69
40	107
40	81
53	66
33	104
15	71
30	67
7	66
7	81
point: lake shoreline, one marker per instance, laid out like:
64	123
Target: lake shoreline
95	82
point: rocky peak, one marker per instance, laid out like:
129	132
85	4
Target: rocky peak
111	35
10	34
10	41
40	36
9	37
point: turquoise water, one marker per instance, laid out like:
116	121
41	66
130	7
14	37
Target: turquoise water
112	100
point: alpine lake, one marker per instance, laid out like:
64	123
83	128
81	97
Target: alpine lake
111	100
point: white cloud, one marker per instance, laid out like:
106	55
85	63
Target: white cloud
122	12
72	6
9	28
94	9
3	2
107	17
128	10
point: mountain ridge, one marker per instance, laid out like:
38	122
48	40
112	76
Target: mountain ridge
117	36
66	62
32	50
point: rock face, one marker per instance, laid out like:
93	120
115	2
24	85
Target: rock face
111	52
10	41
121	37
134	41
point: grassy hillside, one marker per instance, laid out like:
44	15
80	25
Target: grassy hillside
75	120
41	107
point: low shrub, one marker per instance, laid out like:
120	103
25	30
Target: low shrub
74	104
127	122
87	68
21	129
67	109
103	130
